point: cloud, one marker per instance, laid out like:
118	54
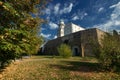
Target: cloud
56	8
85	14
100	9
55	37
75	18
46	35
49	9
67	9
79	15
115	5
116	13
53	25
114	21
42	29
82	15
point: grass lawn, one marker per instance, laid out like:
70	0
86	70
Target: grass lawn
48	68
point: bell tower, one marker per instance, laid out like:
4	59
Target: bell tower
61	29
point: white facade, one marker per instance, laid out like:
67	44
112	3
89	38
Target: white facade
76	28
68	28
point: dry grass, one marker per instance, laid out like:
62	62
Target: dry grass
48	68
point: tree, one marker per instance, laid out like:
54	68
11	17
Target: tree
108	53
64	51
18	29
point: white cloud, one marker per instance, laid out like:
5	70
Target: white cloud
115	5
67	9
114	22
42	29
53	25
113	16
100	9
46	35
56	8
75	18
79	15
82	15
116	13
55	37
47	11
85	14
109	25
117	23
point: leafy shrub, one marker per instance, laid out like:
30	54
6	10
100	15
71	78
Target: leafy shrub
108	53
64	51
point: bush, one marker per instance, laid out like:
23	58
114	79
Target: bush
108	53
64	51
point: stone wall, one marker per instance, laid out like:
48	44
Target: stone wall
80	42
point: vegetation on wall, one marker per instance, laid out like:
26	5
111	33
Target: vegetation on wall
18	29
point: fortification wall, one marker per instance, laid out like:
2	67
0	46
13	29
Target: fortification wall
80	40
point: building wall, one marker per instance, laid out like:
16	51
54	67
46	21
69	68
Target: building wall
76	28
65	29
68	29
100	35
72	28
78	41
86	37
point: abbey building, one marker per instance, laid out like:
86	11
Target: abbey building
76	37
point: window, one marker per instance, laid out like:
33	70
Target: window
66	41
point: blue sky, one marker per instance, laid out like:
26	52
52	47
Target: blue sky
102	14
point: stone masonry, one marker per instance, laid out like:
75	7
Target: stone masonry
78	41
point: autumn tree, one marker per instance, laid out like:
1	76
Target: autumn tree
18	28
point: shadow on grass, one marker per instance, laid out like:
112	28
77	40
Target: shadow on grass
77	66
51	57
2	69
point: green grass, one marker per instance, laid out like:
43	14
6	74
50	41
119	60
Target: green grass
49	68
